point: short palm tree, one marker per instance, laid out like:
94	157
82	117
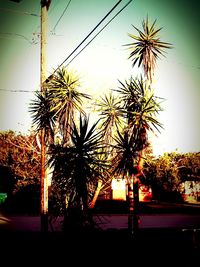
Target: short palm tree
126	154
111	117
76	168
124	165
147	47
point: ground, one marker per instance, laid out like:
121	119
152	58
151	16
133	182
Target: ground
150	246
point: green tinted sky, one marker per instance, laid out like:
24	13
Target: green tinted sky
105	60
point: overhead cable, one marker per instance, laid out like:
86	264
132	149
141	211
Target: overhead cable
87	36
100	30
14	34
61	16
17	91
19	12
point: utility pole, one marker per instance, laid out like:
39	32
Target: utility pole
44	179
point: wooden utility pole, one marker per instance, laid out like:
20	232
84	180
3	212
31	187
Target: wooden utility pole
44	179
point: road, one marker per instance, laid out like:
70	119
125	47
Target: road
107	221
166	235
183	221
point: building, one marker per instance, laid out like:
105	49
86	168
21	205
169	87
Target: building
119	188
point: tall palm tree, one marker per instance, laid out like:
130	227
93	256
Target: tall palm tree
140	107
147	47
145	50
53	111
76	168
44	119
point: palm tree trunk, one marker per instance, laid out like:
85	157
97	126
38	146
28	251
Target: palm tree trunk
96	194
136	191
133	197
136	204
131	205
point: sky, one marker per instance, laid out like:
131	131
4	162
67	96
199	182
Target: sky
104	62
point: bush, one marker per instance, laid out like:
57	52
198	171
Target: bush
26	200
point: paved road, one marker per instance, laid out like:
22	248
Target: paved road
151	221
105	221
164	240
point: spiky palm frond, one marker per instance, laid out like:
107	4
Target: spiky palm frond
111	115
131	93
124	160
140	103
42	113
78	165
141	108
64	89
147	48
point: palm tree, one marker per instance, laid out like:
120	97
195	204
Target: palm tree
140	108
76	168
141	104
124	163
54	110
42	115
147	47
111	117
66	99
44	119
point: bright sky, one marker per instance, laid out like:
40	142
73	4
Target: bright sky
105	60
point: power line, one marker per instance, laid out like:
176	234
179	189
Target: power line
14	34
101	30
22	13
53	31
54	4
16	91
87	36
19	12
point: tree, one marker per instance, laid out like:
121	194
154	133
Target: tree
140	109
144	51
166	174
111	117
66	99
147	47
56	112
111	120
19	171
76	168
163	175
20	153
7	180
